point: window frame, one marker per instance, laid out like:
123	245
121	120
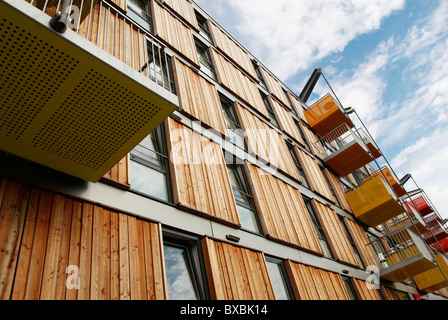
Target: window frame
353	244
193	244
147	19
208	65
298	164
272	116
164	168
281	263
349	287
165	65
202	23
228	105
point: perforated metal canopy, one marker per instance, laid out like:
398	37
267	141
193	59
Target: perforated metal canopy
67	104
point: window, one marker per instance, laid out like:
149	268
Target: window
159	67
243	198
202	22
185	274
330	186
293	110
149	166
205	60
305	141
140	12
271	113
319	230
350	239
233	125
259	75
349	287
298	165
279	279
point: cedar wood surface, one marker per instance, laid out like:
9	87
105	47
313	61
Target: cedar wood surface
184	9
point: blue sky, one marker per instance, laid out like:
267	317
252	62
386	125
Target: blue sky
385	58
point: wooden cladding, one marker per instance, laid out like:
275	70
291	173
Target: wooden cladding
171	30
236	273
282	211
286	121
265	142
231	49
297	106
199	175
338	190
119	174
364	291
274	86
368	255
54	247
335	234
110	32
185	10
237	82
313	141
310	283
198	97
316	178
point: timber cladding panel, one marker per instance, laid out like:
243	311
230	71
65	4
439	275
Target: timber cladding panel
118	175
310	283
339	243
198	97
274	87
297	106
237	82
339	191
110	32
184	8
282	211
231	49
199	175
265	142
286	121
48	240
364	290
236	273
172	31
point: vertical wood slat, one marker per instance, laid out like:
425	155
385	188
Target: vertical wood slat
117	256
359	236
363	292
236	273
297	106
315	176
388	293
185	10
198	97
265	142
237	82
310	283
316	148
338	241
171	30
282	210
286	121
339	191
274	87
119	174
199	174
231	49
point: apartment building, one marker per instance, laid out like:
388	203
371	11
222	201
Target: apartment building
146	154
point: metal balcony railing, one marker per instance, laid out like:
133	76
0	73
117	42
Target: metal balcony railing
101	23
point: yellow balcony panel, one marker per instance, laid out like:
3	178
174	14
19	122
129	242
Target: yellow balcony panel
408	258
349	158
374	202
325	116
395	184
433	279
67	104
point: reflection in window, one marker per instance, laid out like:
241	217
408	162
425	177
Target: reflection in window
205	59
243	198
179	273
140	12
278	280
233	125
149	166
349	287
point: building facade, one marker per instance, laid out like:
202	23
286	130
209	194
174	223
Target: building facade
147	155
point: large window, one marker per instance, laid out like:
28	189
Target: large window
233	124
349	287
140	12
185	274
271	113
350	239
259	75
243	198
159	67
279	279
202	22
319	230
205	59
149	166
298	165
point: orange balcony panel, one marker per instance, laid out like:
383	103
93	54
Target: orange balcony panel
398	189
325	116
433	279
422	205
374	202
348	159
374	150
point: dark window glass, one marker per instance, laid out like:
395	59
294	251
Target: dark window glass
279	279
140	12
159	67
349	287
205	59
233	125
299	167
271	113
202	22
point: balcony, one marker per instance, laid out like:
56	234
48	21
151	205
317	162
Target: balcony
77	101
374	202
405	255
345	150
422	205
434	279
438	232
392	179
326	115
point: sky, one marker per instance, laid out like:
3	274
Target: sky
385	58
